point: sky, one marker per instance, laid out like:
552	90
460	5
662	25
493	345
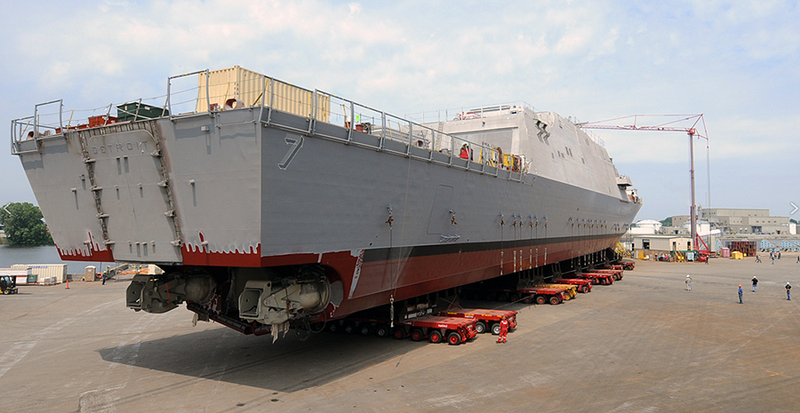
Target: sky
735	62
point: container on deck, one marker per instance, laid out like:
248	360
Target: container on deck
139	111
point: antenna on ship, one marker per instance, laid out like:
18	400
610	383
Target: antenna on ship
671	125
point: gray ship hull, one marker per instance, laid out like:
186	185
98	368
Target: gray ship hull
383	219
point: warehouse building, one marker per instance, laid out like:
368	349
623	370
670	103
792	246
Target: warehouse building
747	221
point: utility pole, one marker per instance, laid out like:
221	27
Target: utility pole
693	214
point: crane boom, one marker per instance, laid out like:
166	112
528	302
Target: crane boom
673	124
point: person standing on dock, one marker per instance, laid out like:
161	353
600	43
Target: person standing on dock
740	294
755	283
788	290
503	331
688	282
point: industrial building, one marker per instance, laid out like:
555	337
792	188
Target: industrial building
747	221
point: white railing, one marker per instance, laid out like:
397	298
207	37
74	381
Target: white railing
195	93
475	112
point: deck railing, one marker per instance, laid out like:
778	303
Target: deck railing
196	93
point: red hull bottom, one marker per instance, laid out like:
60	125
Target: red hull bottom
380	281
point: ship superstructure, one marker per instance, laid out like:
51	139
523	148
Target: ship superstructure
269	205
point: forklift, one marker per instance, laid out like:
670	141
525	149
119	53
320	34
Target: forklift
8	284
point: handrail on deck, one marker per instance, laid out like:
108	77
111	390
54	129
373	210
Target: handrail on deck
407	132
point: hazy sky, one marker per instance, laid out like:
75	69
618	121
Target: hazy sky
737	62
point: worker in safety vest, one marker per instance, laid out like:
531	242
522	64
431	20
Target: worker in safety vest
503	331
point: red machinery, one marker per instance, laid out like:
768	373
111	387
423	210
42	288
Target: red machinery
543	295
487	320
616	273
584	286
436	329
539	295
597	277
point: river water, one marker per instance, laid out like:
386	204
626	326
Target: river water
42	255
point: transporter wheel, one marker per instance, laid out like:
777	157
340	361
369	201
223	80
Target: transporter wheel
540	299
382	331
528	300
333	327
496	329
417	335
514	298
348	328
554	300
480	327
435	336
454	339
365	330
399	333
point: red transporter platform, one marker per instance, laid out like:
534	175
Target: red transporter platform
529	294
486	320
616	273
597	277
436	329
543	295
584	286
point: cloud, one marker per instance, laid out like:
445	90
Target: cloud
736	62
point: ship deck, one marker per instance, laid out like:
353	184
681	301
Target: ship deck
642	344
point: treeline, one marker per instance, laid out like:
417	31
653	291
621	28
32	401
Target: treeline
23	225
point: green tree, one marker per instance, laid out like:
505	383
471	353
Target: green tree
23	225
667	222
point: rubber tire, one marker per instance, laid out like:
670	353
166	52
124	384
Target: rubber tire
514	298
399	333
584	289
334	327
382	331
540	299
495	329
435	336
349	329
554	300
417	334
454	339
365	330
480	327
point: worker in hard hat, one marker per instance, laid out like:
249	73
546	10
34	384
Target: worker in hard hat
788	288
740	294
503	331
688	282
755	283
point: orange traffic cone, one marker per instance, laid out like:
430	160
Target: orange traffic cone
67	285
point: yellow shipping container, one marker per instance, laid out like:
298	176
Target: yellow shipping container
737	255
253	89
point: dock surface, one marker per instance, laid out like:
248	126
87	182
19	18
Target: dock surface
643	344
